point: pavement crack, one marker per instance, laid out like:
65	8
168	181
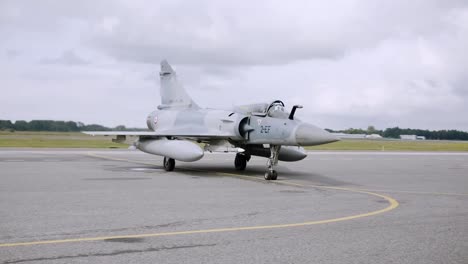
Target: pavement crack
113	253
94	231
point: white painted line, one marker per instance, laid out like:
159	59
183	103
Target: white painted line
144	169
384	153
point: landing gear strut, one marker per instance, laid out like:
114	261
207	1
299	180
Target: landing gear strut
271	174
169	164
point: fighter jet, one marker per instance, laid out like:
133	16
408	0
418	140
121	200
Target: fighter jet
264	129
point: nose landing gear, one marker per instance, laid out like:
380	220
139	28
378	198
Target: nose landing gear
271	174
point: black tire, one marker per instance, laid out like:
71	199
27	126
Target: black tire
274	175
169	164
240	162
271	175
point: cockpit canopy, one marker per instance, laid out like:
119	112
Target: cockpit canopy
275	110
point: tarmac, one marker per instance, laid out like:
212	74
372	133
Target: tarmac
120	206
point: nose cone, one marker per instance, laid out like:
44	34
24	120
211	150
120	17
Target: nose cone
309	135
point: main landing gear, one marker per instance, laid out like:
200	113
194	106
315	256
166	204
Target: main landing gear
169	164
271	174
240	162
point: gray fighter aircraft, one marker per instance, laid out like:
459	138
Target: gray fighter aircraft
178	124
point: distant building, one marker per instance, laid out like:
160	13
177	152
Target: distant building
412	137
373	136
350	136
408	137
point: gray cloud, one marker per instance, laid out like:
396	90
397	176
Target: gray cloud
12	53
68	57
262	33
350	63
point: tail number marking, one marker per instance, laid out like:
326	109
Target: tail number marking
265	129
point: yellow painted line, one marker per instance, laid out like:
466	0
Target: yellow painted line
361	190
392	205
414	192
285	182
186	169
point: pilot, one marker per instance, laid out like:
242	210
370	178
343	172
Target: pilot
276	110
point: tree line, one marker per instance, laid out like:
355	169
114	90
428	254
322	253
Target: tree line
57	126
452	134
71	126
395	132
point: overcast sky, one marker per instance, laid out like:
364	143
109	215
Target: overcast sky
350	63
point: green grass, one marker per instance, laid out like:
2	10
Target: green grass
79	140
56	140
394	145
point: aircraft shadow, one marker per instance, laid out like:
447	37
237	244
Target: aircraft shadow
285	173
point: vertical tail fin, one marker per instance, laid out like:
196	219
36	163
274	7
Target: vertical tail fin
173	94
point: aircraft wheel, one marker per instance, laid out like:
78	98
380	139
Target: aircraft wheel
271	175
169	164
240	162
274	175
